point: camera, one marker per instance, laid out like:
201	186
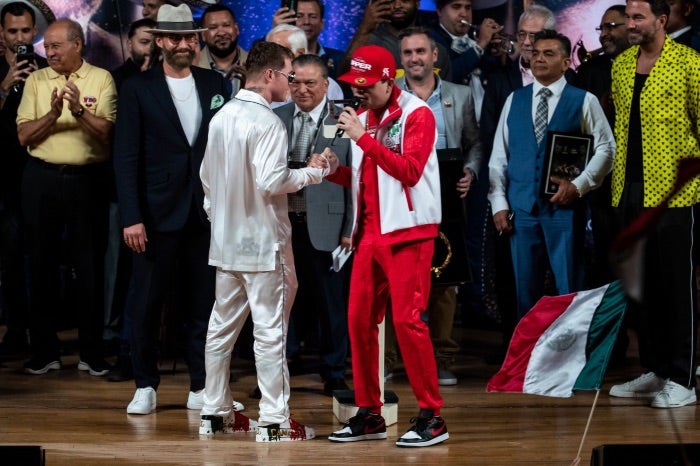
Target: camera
25	52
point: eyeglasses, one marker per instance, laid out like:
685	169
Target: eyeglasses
523	34
607	27
312	84
290	77
175	39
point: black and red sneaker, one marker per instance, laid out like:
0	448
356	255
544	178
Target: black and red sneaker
426	431
362	426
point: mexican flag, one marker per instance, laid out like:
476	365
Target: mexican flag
563	344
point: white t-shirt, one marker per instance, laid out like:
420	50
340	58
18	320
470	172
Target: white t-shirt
184	94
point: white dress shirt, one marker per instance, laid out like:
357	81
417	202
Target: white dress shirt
593	121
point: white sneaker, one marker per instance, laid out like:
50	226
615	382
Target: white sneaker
144	401
674	395
645	386
446	377
195	400
290	431
210	424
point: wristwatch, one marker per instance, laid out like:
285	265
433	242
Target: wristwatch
79	113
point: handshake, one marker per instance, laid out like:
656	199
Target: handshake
326	161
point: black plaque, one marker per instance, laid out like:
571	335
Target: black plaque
566	156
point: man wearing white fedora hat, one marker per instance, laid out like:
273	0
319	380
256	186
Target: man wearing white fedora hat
161	133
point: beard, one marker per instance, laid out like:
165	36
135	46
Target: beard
176	60
406	21
223	52
640	37
139	58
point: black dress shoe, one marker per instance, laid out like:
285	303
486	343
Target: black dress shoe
334	384
122	372
14	345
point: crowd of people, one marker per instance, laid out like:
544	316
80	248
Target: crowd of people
218	184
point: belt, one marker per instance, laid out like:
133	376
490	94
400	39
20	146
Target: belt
297	217
294	165
66	168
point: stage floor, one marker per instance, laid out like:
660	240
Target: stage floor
81	420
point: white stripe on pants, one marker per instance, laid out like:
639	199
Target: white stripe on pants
268	296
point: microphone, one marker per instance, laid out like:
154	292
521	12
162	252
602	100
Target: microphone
355	104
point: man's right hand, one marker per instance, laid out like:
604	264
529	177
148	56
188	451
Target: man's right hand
327	161
503	224
488	32
17	73
284	16
135	237
376	13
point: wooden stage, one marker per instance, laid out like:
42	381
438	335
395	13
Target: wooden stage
81	420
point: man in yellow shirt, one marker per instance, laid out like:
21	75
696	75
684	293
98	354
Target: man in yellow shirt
656	90
65	120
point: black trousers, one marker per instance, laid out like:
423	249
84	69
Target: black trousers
175	265
666	319
66	215
320	305
13	275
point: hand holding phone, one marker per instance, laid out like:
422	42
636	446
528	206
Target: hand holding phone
285	14
25	52
381	10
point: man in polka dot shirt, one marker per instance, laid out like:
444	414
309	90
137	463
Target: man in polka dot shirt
656	90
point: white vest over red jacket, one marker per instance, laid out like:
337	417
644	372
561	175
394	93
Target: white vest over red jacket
409	209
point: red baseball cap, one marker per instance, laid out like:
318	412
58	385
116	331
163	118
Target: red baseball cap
368	65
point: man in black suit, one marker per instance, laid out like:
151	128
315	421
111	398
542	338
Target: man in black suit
680	21
161	134
321	217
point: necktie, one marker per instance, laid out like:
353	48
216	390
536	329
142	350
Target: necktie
300	151
302	143
541	114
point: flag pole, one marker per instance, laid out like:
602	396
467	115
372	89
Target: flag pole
577	460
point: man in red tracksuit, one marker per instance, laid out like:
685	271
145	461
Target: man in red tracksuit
396	197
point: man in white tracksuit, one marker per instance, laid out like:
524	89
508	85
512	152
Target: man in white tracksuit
246	182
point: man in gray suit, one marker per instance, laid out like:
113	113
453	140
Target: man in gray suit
453	107
321	218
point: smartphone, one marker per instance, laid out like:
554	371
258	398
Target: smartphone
291	4
25	52
386	2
